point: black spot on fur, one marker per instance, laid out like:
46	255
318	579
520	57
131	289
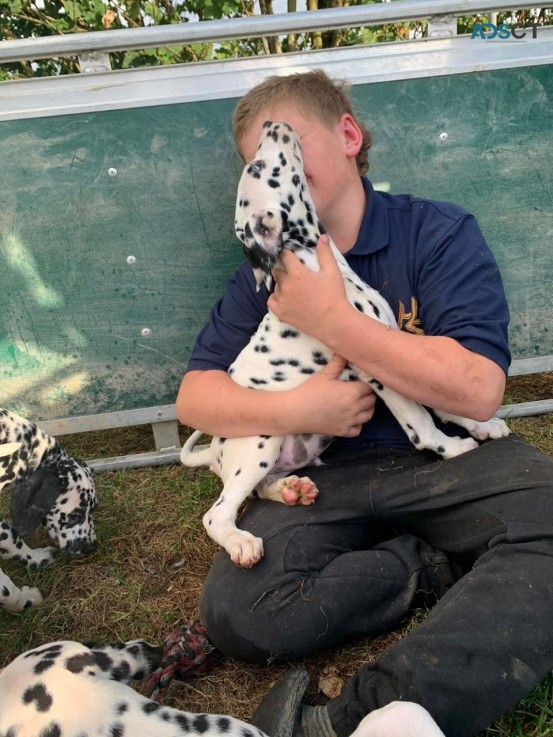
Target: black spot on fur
121	672
201	723
103	660
52	730
183	722
43	665
39	696
150	707
376	311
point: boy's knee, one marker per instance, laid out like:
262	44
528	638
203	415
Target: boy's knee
230	623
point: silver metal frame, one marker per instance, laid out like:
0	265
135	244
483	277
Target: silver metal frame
149	86
254	26
108	90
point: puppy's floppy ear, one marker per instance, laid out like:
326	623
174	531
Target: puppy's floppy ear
32	499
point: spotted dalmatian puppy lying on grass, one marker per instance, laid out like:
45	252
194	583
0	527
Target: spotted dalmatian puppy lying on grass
47	486
67	689
275	211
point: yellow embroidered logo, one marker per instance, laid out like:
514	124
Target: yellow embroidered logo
409	320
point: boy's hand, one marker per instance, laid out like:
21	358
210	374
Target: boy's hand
328	406
307	299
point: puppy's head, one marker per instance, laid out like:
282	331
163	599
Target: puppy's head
63	498
274	209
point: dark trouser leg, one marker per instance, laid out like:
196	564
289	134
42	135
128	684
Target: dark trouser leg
330	571
489	640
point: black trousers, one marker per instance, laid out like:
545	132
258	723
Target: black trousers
367	551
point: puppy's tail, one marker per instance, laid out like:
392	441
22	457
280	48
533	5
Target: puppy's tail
194	458
8	449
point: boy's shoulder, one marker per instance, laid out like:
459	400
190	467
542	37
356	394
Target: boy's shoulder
422	207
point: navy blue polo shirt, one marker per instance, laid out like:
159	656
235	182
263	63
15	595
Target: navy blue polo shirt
431	263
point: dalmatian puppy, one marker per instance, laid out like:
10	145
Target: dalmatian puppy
67	689
47	486
275	211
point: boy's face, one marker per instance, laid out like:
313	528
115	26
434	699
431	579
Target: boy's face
326	151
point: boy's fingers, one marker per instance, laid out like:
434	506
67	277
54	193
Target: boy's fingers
324	252
335	366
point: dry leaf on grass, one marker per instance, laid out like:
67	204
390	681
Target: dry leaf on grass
330	683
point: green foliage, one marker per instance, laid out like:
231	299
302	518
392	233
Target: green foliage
35	18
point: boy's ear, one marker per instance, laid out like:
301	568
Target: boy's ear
353	137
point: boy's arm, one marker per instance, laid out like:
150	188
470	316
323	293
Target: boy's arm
436	371
212	402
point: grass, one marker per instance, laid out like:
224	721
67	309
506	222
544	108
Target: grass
145	578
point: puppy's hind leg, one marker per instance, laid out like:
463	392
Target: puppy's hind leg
490	430
243	465
291	490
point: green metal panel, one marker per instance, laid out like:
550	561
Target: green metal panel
82	193
497	162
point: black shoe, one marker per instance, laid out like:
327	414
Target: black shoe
278	714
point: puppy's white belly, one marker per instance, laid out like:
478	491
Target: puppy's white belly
298	451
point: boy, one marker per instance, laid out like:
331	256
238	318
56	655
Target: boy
392	528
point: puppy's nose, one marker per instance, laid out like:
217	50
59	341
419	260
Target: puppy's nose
76	548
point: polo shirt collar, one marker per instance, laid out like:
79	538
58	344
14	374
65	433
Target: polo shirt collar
373	234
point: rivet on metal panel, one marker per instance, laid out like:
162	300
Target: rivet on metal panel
443	137
131	260
112	171
146	333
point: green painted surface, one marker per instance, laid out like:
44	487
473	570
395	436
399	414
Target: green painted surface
72	309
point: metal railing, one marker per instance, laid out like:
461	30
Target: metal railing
78	44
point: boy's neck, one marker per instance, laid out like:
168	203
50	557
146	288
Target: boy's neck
344	222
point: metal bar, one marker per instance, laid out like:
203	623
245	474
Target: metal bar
158	458
166	435
526	409
538	365
213	80
138	460
109	420
253	26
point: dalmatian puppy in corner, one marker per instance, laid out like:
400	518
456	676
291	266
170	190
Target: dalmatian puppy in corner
274	211
67	689
47	486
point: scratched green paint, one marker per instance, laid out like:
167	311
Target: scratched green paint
72	308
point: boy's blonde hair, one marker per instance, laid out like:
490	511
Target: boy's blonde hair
313	93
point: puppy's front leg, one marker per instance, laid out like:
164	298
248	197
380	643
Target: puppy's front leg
13	547
245	462
15	600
